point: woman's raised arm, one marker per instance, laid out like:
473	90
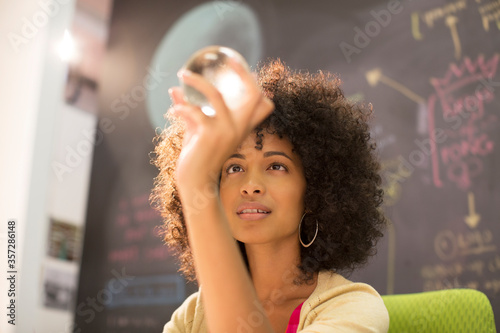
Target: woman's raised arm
228	294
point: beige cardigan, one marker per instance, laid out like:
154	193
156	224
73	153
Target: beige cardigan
336	305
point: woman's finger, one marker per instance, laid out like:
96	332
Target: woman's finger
263	110
246	76
191	115
177	95
199	83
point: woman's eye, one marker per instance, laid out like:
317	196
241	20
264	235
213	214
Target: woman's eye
233	169
277	167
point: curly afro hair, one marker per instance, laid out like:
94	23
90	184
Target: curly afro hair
331	136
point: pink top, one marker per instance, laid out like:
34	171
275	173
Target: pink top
293	323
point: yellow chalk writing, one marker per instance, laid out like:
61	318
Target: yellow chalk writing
435	14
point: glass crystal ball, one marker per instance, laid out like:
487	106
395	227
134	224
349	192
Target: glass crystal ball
212	63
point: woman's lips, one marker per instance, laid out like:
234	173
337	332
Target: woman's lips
252	216
252	211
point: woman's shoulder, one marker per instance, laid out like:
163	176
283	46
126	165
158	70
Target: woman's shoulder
331	285
188	317
341	302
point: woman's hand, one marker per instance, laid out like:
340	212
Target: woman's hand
208	141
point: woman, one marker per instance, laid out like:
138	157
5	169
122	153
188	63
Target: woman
292	177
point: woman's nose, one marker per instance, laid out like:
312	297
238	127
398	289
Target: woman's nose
252	185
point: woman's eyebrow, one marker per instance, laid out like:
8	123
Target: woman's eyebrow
266	154
272	153
237	156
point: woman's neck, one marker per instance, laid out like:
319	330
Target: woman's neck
274	272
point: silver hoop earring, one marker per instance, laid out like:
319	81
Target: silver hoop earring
315	234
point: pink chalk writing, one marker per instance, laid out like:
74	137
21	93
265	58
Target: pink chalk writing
463	97
126	254
157	253
135	229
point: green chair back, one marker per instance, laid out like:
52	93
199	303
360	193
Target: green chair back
451	310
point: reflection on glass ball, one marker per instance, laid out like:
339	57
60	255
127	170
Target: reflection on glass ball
212	63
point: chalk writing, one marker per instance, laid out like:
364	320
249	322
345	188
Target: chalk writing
122	220
438	13
452	270
476	267
393	174
460	157
494	264
125	254
151	290
135	233
493	285
442	270
448	244
156	253
447	13
473	218
459	275
375	76
139	322
449	284
490	12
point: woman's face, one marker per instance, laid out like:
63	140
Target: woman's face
262	191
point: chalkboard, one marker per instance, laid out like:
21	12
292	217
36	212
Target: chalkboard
430	70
